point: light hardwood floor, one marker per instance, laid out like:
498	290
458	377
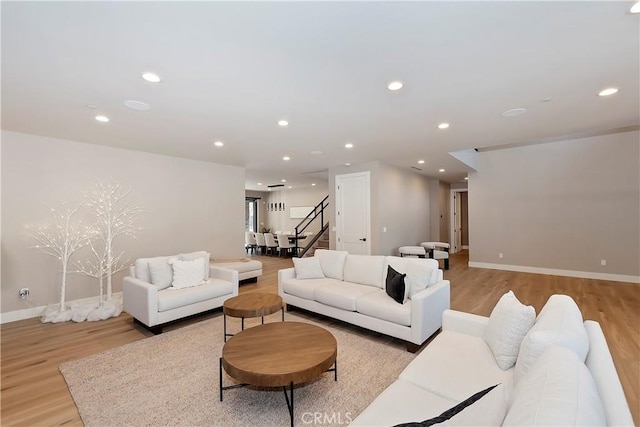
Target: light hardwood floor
34	392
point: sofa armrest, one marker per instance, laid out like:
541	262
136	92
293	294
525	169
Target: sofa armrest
427	307
465	323
140	300
226	274
286	274
600	364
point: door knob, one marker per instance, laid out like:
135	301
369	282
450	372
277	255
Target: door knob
364	239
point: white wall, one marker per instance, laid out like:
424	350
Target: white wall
281	220
561	206
399	201
188	205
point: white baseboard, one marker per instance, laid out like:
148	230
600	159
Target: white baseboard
31	312
556	272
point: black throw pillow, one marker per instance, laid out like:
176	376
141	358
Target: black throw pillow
449	413
395	285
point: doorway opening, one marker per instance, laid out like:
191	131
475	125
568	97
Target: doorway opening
251	213
459	219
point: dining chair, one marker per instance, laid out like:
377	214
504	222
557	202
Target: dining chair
249	241
285	245
261	243
271	243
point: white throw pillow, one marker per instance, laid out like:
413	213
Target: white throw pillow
558	390
418	276
559	322
206	257
508	324
308	268
161	273
187	273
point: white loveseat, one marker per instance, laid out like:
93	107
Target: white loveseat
557	389
351	288
150	298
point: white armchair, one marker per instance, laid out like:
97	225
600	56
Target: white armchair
150	297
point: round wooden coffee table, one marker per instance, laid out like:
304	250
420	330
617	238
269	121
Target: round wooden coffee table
279	355
251	305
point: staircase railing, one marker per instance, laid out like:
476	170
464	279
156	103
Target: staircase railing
312	227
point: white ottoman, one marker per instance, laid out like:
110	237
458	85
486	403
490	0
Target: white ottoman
248	269
418	251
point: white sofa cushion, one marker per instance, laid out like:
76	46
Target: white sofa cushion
305	288
558	390
160	272
509	322
142	267
420	272
187	273
381	306
559	322
488	410
402	402
456	365
343	295
332	262
171	298
206	258
308	268
364	270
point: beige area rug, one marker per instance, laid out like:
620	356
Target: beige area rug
172	380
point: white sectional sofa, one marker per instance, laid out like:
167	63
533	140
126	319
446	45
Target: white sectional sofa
549	384
150	297
351	288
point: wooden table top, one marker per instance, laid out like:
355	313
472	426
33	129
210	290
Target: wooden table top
277	354
252	305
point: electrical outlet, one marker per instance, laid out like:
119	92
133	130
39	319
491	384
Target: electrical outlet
500	255
24	293
603	262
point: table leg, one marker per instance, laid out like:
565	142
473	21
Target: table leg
282	309
334	370
243	323
289	401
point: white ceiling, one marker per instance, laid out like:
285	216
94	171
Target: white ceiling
231	70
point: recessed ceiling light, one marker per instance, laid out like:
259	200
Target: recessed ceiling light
443	125
286	158
289	187
440	170
348	145
259	183
395	85
514	112
466	178
151	77
608	91
283	180
635	8
137	105
313	184
93	107
421	162
347	164
545	100
102	119
283	123
316	152
218	143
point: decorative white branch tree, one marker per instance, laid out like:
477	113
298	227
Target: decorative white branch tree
61	239
115	217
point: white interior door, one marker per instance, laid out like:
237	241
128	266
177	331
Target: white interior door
353	213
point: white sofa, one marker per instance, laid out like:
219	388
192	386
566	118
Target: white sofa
558	388
154	304
351	288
